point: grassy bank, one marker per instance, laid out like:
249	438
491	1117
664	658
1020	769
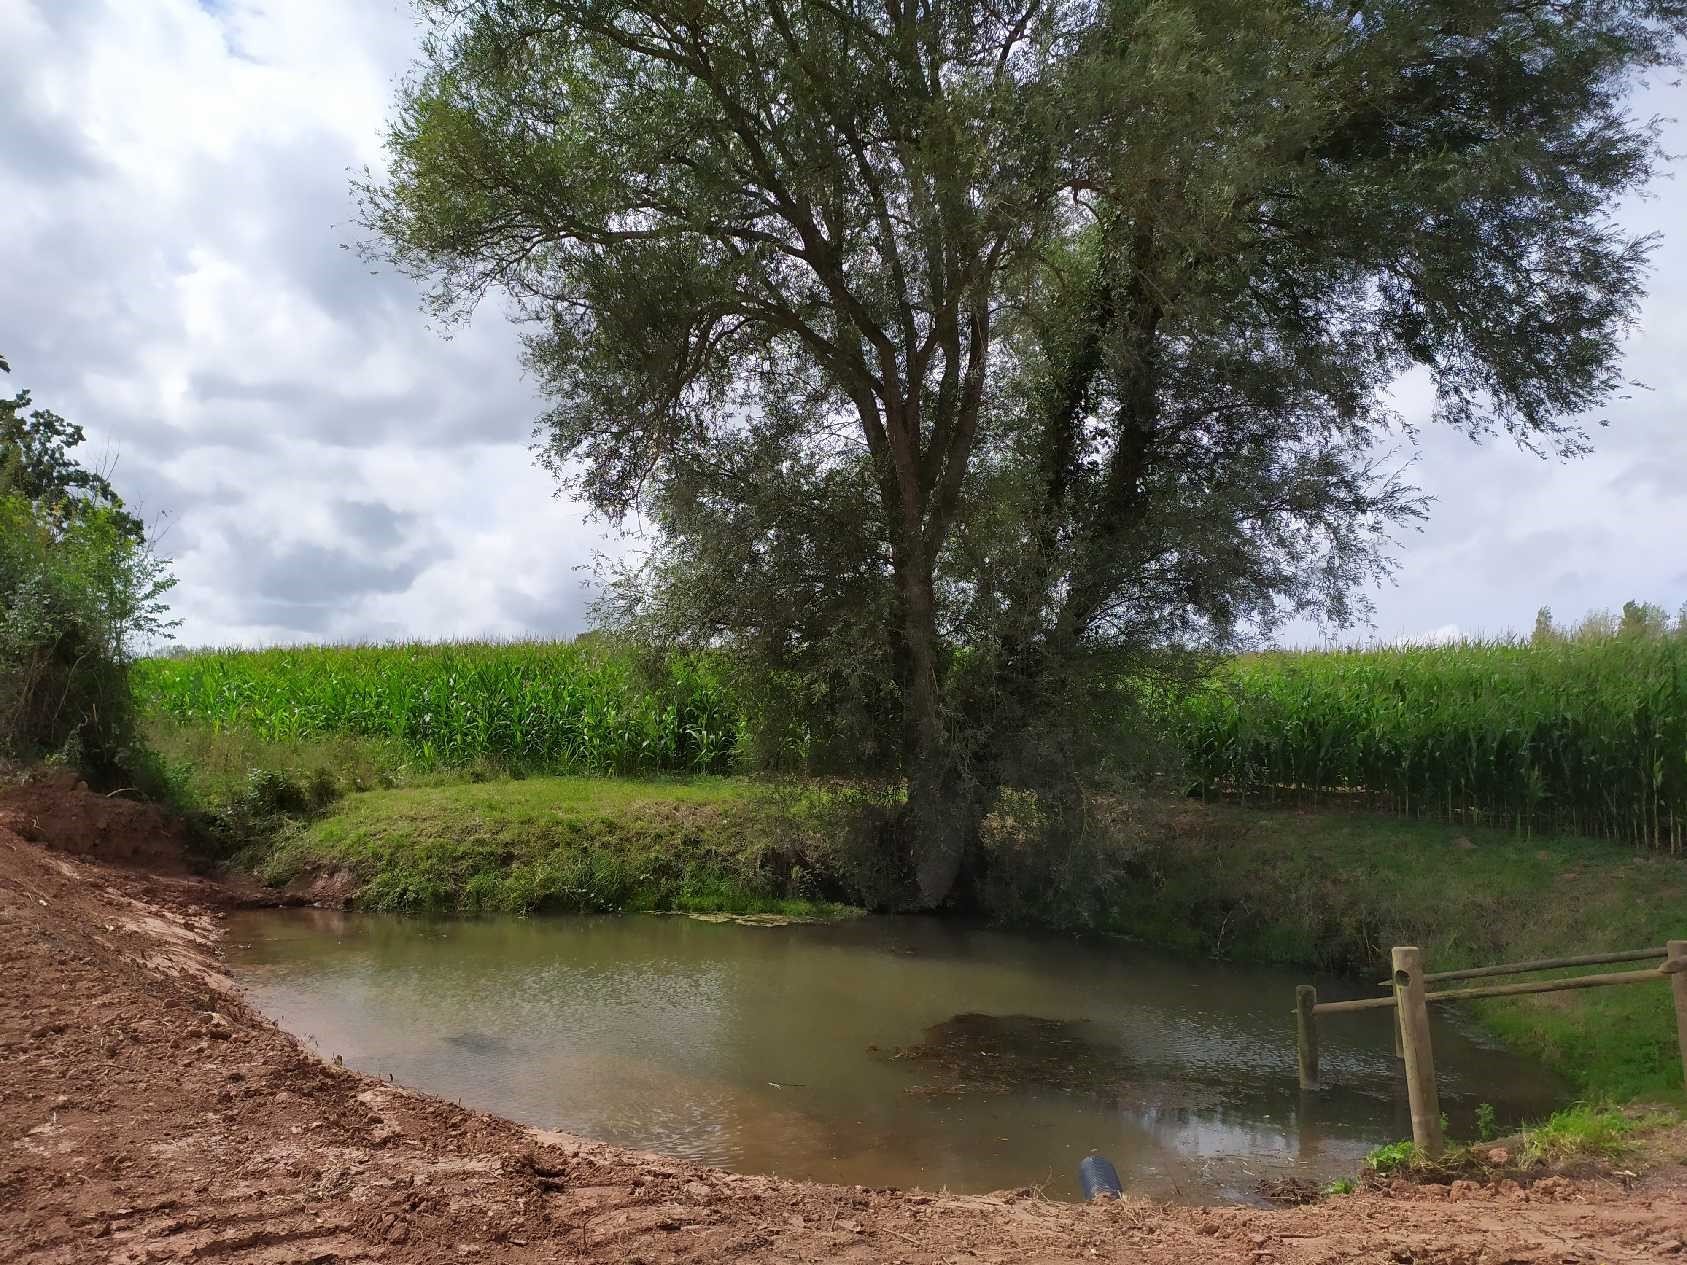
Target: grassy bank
552	845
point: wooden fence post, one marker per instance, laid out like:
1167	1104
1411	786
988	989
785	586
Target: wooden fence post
1420	1058
1677	950
1306	1035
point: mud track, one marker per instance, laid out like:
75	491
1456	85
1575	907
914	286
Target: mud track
149	1115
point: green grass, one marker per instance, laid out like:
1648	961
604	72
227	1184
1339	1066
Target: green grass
1587	737
1393	1158
554	844
1581	1132
207	766
1576	1134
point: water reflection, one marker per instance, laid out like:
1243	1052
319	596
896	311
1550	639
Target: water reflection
883	1051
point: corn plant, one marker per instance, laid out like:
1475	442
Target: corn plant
1587	737
549	705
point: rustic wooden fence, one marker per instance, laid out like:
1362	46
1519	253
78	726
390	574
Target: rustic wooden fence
1410	999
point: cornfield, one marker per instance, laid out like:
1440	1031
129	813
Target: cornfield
1580	737
553	705
1583	737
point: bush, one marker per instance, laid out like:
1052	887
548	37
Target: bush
76	591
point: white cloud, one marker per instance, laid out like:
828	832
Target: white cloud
172	276
1442	636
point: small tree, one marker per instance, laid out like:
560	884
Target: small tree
79	588
35	463
1643	619
964	354
1544	633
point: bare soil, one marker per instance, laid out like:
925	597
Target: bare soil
147	1114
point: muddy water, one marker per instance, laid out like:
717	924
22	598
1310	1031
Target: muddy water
905	1052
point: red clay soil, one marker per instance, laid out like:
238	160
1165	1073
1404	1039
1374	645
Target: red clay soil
60	811
147	1114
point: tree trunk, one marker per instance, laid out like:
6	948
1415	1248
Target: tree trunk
941	818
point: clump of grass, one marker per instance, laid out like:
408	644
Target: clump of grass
1393	1159
1580	1132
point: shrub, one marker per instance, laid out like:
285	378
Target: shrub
75	594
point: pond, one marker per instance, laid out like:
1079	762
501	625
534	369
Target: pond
879	1051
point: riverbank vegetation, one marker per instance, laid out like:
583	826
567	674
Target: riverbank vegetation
1577	734
557	845
1576	1135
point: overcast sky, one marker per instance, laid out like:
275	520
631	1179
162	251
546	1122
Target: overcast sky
173	203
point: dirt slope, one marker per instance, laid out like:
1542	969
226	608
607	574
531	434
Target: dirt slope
147	1115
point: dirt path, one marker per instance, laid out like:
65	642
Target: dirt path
148	1115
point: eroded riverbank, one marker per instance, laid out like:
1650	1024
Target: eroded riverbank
150	1115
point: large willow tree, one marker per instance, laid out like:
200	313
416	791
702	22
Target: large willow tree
956	352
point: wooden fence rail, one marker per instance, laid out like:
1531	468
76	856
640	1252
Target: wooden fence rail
1411	1001
1539	964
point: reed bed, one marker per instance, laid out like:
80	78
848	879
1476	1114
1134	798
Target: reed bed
1579	737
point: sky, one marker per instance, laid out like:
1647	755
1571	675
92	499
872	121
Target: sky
323	463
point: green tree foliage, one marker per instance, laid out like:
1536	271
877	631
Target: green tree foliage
1646	620
35	462
959	354
1643	619
80	589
